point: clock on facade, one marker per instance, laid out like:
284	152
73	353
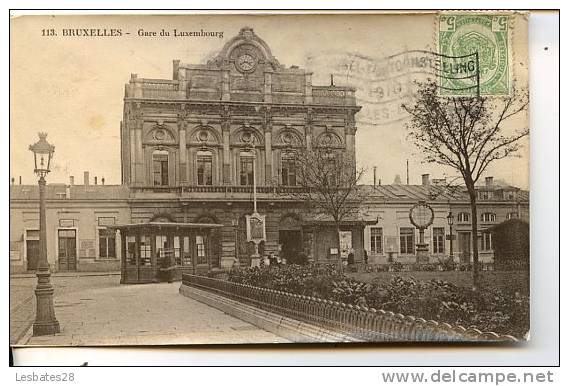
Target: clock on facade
246	63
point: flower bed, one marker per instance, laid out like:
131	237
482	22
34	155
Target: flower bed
500	311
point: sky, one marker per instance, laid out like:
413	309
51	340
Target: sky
73	87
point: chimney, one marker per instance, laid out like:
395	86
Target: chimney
425	179
489	182
68	192
175	68
86	179
375	176
102	180
71	180
13	180
379	181
20	180
95	179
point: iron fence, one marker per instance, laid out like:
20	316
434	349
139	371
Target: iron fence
362	323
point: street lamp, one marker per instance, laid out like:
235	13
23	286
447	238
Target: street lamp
450	221
45	323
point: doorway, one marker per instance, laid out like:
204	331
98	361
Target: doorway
32	249
464	247
67	249
291	244
32	254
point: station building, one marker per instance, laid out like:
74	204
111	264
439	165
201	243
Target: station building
190	149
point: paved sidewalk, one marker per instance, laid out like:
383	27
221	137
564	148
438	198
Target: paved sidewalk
146	314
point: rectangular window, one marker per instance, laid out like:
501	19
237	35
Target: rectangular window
177	255
288	171
246	171
187	257
376	238
438	240
200	249
160	168
130	250
486	241
407	241
145	250
204	168
107	244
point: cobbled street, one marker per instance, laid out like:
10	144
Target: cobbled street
97	310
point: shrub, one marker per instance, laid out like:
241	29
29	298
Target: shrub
503	312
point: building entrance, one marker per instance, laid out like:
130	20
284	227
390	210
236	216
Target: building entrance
67	250
464	247
291	244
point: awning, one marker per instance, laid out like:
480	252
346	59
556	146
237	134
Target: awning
165	225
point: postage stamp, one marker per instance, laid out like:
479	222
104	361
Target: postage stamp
475	48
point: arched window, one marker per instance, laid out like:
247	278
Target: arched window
288	169
463	217
160	167
511	215
488	217
204	168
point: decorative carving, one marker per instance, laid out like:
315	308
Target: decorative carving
289	137
161	134
204	134
329	139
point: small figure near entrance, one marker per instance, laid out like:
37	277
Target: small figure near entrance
272	259
351	260
365	257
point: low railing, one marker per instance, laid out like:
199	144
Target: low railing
362	323
420	267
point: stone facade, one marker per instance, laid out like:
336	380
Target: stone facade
190	147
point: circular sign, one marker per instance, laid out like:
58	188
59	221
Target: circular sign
246	63
421	215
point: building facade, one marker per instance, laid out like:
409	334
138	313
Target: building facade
191	149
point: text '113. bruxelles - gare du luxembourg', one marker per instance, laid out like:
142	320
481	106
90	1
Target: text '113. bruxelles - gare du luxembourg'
187	180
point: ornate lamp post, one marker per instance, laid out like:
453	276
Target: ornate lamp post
45	323
450	221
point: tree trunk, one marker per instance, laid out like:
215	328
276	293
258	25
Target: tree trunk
341	263
474	214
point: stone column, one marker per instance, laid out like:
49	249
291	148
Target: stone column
268	157
225	93
268	127
308	130
268	96
183	153
350	136
139	179
225	126
132	143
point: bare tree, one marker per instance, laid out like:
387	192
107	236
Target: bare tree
466	134
328	184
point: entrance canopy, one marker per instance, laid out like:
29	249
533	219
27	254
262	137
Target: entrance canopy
155	251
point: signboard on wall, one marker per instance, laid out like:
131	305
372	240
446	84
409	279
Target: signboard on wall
66	223
256	228
345	243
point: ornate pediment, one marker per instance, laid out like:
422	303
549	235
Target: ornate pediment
289	137
328	139
246	51
160	134
204	135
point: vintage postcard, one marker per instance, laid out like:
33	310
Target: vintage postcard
263	178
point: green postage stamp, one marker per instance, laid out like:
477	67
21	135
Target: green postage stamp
474	54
